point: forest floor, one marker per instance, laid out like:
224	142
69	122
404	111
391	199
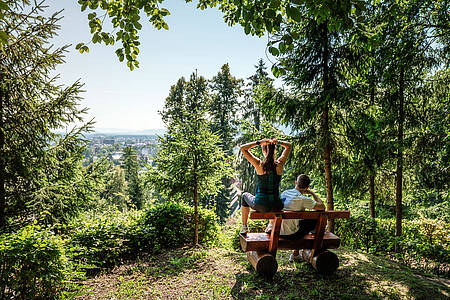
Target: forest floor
217	273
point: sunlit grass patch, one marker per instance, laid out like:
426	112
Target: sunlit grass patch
133	288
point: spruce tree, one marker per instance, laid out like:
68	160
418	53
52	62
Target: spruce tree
191	162
251	109
117	188
131	167
173	107
41	176
226	91
311	60
223	108
406	56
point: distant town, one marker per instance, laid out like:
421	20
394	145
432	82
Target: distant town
111	147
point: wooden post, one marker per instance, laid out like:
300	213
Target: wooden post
320	231
326	262
275	235
263	262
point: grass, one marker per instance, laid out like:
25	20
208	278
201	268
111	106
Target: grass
217	273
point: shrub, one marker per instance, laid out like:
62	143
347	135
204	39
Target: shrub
173	225
33	263
420	239
102	241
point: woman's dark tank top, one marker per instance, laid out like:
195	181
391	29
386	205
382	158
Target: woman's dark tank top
267	197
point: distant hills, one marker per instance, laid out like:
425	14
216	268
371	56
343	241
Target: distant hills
121	131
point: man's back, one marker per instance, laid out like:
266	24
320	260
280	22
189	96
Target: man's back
294	200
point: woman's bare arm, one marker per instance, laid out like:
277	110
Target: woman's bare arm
248	155
286	151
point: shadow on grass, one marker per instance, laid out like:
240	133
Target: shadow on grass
359	277
303	283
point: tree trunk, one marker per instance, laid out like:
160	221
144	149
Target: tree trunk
373	173
327	165
399	175
196	215
257	119
325	125
195	144
372	194
372	88
195	196
2	163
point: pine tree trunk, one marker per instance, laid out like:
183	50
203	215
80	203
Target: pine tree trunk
325	126
399	176
195	143
2	164
327	164
372	194
196	215
372	88
373	174
195	197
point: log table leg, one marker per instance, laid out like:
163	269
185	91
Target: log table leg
326	262
263	262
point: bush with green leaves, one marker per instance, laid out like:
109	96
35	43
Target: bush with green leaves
173	225
33	263
421	239
102	241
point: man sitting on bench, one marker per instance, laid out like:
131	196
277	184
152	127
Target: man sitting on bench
295	200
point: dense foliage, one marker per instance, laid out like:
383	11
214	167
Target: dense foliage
366	100
353	67
107	239
173	225
131	166
35	262
41	177
424	241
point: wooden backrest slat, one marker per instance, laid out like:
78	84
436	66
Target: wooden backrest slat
331	214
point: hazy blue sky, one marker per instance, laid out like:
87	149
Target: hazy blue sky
119	98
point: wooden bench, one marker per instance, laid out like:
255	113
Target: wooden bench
262	247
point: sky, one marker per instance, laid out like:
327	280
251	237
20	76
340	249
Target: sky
118	98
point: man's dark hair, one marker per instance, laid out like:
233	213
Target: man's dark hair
303	181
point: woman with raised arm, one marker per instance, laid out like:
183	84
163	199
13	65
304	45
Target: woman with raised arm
269	170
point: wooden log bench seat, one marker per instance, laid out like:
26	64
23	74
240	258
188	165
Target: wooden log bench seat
262	247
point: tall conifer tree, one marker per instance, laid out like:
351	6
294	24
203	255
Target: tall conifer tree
191	162
40	170
405	57
131	167
226	91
